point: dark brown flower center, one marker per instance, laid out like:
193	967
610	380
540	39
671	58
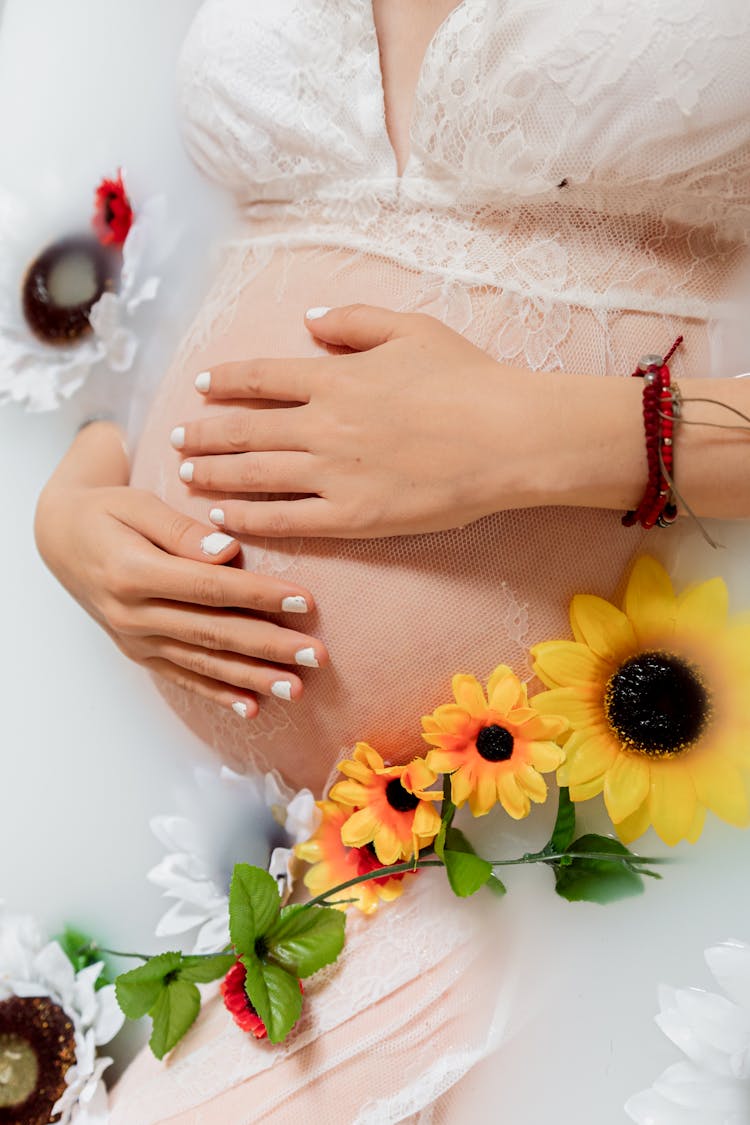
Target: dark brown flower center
37	1046
657	704
399	798
495	743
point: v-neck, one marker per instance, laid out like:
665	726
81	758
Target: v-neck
432	46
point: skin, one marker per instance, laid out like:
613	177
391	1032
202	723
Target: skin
401	435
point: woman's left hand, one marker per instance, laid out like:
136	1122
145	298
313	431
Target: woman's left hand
416	431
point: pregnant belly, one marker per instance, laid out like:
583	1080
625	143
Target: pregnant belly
400	616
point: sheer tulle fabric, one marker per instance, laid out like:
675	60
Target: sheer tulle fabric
577	194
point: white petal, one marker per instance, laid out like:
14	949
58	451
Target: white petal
214	935
730	965
110	1017
179	918
177	833
708	1028
302	817
53	967
689	1086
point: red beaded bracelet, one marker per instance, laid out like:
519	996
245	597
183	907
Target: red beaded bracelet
660	408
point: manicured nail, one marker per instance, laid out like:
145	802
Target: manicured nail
295	604
318	311
186	471
306	656
177	437
240	708
203	382
216	542
282	689
216	515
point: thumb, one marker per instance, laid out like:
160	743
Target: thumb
358	327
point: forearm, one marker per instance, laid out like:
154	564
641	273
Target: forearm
595	446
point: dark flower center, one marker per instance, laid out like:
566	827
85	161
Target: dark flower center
37	1046
399	798
495	743
657	704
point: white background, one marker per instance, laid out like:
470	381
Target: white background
89	752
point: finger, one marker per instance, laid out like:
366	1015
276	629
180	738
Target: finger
232	633
251	472
361	326
172	531
224	587
229	668
311	516
242	431
278	380
244	705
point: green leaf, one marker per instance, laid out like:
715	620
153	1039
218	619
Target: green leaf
497	886
466	872
254	903
446	819
138	990
201	970
275	994
81	951
174	1013
304	939
565	825
598	880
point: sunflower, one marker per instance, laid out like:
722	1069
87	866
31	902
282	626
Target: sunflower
393	810
334	863
495	747
657	698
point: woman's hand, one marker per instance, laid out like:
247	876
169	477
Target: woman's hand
149	576
419	431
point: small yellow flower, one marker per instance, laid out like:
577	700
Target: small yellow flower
393	811
495	747
657	696
334	863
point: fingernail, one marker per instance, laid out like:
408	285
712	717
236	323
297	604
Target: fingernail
318	311
215	543
177	437
306	656
186	471
282	689
294	604
216	515
203	382
240	708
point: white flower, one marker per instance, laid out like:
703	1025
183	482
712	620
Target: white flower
29	967
713	1086
232	819
43	375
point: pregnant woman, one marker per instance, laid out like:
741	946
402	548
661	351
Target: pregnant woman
560	189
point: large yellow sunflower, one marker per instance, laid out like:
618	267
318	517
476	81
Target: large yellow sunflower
393	810
334	863
495	747
657	696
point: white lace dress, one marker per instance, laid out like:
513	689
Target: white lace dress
577	193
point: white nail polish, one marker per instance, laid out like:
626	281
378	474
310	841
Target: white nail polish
216	515
203	382
317	312
295	604
282	689
215	543
306	657
177	437
240	708
186	471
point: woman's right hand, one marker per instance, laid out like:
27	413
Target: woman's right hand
142	571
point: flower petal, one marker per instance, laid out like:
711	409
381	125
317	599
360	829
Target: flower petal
360	828
469	695
703	608
568	664
532	783
504	690
485	793
445	761
591	759
582	707
626	785
672	800
720	786
649	600
350	793
546	756
605	629
513	800
633	826
461	786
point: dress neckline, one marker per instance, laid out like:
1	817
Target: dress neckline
432	47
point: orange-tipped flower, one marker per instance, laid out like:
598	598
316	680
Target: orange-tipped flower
495	747
393	808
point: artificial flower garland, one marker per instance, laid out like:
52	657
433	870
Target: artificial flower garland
646	705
